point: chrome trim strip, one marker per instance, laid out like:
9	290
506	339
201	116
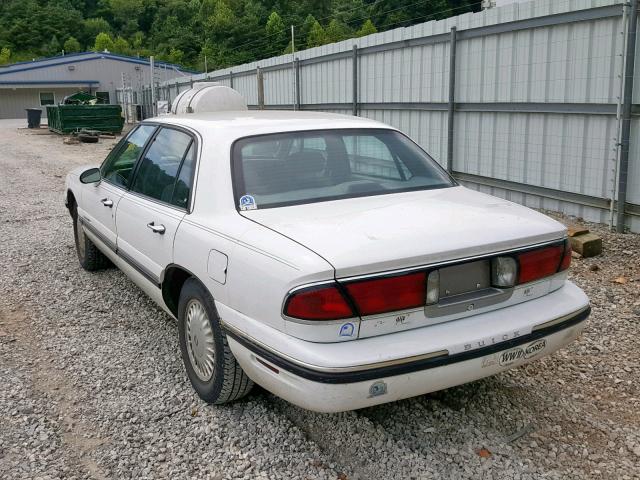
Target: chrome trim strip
127	258
139	268
355	368
86	223
555	321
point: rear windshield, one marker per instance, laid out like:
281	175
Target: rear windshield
303	167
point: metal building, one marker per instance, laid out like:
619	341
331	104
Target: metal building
47	81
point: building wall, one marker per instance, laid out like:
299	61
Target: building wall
107	71
14	102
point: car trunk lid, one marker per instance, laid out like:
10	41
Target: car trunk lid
388	232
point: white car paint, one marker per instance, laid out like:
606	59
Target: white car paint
387	232
250	260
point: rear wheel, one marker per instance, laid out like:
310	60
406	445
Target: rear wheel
211	367
90	258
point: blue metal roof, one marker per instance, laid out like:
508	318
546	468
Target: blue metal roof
49	82
73	58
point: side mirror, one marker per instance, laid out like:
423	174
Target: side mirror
90	176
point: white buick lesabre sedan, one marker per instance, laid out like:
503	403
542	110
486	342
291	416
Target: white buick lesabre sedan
327	258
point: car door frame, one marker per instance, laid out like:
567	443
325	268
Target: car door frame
197	143
196	137
100	233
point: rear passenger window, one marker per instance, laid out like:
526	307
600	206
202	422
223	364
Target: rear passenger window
160	168
183	183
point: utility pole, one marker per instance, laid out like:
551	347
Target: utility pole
124	101
627	104
260	80
153	86
452	98
205	64
293	66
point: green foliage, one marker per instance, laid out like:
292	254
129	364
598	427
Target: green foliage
349	12
120	45
103	42
220	21
138	40
91	28
5	55
317	36
54	47
276	32
367	28
126	10
71	45
337	31
176	56
227	32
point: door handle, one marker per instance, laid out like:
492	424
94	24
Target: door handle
107	203
156	228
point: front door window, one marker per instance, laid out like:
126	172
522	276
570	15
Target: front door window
159	175
118	166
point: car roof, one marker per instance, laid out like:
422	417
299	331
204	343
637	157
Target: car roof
256	122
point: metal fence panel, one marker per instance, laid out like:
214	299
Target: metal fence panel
537	88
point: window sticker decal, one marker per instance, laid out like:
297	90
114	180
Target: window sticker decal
247	202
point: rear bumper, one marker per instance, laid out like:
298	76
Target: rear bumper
325	386
427	362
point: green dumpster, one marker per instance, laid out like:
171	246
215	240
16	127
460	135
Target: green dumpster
72	118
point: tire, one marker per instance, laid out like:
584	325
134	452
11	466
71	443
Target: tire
217	378
90	258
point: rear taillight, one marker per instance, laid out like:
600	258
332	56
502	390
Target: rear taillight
566	259
539	263
318	303
401	292
388	294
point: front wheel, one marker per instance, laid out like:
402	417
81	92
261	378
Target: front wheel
90	258
211	367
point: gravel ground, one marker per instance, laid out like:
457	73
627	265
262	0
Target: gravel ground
92	384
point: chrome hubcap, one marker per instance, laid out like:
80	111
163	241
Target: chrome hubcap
199	338
80	237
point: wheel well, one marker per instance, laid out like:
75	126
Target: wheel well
174	279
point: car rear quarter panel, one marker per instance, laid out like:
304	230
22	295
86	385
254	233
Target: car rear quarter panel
257	279
263	265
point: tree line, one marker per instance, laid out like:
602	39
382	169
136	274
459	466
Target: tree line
218	33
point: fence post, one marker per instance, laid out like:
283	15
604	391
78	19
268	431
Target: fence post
354	88
260	80
452	99
296	70
626	116
231	78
